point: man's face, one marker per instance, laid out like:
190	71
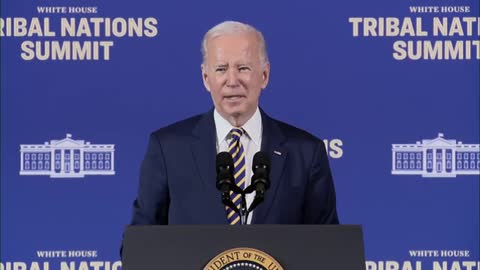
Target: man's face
234	75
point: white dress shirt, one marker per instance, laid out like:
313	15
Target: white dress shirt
251	141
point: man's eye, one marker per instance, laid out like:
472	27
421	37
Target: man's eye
220	69
244	68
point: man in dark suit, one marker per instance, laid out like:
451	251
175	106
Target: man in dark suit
177	181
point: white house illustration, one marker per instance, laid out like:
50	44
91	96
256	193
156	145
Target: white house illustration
67	158
438	157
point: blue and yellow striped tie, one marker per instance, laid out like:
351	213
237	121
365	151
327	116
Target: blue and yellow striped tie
235	148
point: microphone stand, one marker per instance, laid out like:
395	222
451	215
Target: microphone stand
243	210
246	212
259	195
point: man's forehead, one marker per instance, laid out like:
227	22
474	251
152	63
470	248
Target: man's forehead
236	41
233	46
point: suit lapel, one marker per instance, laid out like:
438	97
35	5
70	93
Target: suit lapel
272	140
204	153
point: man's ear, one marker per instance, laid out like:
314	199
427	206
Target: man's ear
205	77
266	75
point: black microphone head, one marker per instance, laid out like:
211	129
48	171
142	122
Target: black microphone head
225	178
260	179
261	160
261	170
224	162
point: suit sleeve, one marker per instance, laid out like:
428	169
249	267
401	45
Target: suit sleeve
152	202
320	202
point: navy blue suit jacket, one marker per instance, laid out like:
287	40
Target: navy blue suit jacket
177	180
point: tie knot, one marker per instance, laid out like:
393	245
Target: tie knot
236	133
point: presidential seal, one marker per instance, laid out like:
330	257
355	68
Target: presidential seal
243	259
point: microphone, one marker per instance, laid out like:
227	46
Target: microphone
260	179
224	171
225	179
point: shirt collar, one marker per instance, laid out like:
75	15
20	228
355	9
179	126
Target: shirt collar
253	127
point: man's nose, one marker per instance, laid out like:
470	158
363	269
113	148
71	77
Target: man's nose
232	78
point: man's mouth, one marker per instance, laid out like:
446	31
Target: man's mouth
233	97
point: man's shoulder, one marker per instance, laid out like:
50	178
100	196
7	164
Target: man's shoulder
295	134
180	128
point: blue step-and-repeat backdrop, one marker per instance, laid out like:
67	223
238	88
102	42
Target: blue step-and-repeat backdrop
392	87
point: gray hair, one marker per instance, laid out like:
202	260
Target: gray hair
233	27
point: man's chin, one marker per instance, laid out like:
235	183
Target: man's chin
233	113
234	110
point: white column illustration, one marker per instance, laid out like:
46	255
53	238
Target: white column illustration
394	153
52	161
72	169
112	161
434	160
424	160
454	161
81	160
444	160
62	162
21	160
